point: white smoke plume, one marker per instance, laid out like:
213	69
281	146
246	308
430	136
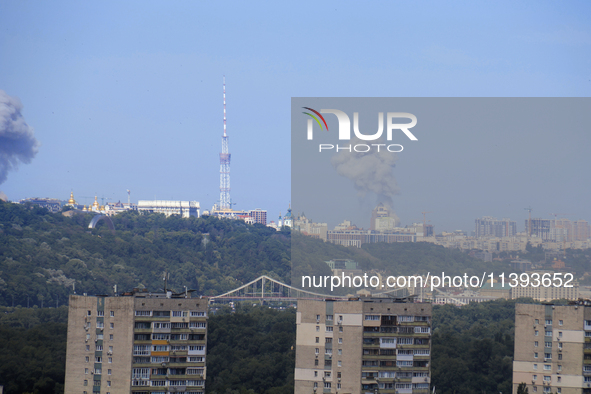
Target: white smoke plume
17	139
370	171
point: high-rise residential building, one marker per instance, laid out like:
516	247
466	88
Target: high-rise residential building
553	348
141	343
581	230
363	345
183	209
536	287
539	228
258	216
383	218
491	227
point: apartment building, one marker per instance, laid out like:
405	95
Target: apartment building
553	348
363	345
549	293
141	343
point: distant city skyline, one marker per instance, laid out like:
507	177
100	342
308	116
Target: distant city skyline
131	98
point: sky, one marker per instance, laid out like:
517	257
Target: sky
128	95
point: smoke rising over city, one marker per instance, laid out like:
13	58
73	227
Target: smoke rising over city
17	139
370	172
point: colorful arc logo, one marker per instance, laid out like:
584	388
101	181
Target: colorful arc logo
315	118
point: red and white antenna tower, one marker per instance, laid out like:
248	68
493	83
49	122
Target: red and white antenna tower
225	164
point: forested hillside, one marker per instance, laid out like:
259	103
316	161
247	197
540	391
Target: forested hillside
44	255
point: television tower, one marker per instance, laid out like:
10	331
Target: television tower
225	164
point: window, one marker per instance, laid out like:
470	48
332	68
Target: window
548	322
537	321
328	328
177	313
98	359
317	317
341	329
315	384
560	356
98	371
372	317
100	324
100	313
559	345
535	389
317	328
316	362
547	378
560	367
317	351
143	313
548	356
559	379
328	351
340	317
340	352
326	385
317	339
87	359
339	363
110	360
197	314
89	313
535	343
112	325
535	366
547	367
535	354
140	373
108	371
534	377
86	381
328	317
536	332
111	337
548	344
327	374
86	371
112	313
560	322
548	333
315	374
328	340
87	348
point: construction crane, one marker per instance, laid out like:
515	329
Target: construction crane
425	222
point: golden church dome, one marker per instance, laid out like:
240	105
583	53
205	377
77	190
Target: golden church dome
71	201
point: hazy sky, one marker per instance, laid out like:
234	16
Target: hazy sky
128	95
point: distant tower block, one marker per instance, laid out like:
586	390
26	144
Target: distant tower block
225	164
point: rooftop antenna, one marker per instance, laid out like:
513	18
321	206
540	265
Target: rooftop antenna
128	197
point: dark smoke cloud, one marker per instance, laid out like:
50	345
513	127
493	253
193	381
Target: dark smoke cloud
17	140
370	172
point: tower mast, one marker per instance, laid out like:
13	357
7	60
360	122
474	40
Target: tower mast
225	164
